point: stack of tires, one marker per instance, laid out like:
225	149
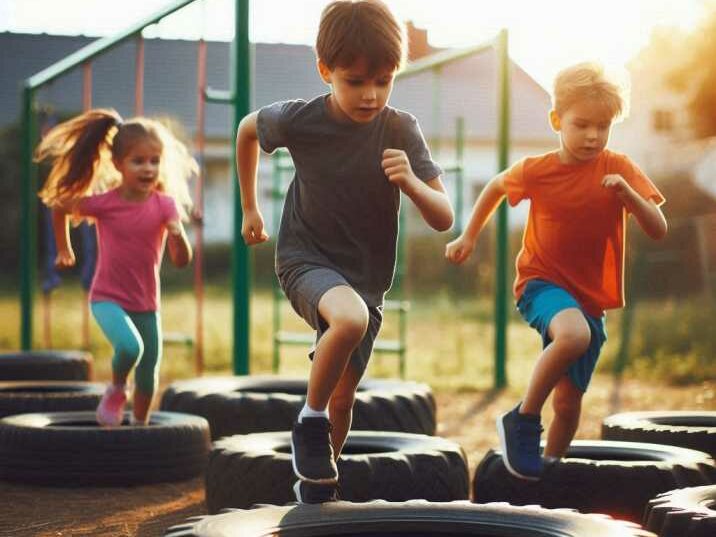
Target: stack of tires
49	434
397	478
390	453
656	468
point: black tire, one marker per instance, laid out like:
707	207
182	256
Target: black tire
244	405
618	478
245	470
69	449
46	365
52	396
414	518
689	512
695	429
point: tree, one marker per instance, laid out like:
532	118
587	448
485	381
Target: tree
696	76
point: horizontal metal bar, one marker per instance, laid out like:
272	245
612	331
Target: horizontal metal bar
440	59
299	338
219	96
99	46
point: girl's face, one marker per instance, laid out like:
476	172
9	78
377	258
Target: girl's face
140	168
584	131
357	95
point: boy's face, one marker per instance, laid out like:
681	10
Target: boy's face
358	95
584	130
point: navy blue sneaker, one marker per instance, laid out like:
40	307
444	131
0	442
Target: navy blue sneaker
307	492
519	440
312	451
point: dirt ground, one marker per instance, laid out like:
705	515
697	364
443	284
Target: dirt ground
147	511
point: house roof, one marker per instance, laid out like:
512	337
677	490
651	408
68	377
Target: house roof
281	71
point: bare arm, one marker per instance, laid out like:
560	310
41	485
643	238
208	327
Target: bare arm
489	199
247	164
428	196
61	230
178	244
647	213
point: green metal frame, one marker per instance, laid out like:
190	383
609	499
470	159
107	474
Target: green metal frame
238	98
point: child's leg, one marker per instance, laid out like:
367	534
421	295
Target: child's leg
146	374
123	335
567	405
341	407
570	335
128	348
346	315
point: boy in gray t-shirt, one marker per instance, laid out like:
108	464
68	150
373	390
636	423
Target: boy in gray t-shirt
335	252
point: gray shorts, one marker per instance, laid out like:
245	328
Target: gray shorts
304	288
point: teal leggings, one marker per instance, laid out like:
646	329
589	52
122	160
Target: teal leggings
137	340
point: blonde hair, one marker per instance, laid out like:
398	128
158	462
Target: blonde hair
589	81
81	151
354	29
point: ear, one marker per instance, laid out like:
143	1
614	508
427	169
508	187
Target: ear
324	71
555	121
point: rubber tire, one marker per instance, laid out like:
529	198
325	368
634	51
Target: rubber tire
46	365
689	512
244	470
596	476
695	429
48	396
413	518
244	405
70	449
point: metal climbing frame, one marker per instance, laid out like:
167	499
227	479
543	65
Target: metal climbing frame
239	99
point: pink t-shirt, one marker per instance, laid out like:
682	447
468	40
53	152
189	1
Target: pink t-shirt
130	237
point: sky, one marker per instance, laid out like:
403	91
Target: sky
545	35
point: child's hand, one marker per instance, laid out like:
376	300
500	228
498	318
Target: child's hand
459	250
65	259
397	167
615	182
252	228
174	227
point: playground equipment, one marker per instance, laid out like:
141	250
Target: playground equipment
239	98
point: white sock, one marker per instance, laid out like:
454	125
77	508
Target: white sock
308	412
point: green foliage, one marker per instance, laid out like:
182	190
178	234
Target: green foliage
696	76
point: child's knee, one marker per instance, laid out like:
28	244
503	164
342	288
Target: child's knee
575	339
352	323
128	352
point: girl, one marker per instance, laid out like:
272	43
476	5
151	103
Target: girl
130	177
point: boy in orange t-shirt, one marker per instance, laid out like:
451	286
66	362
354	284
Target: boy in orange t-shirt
570	267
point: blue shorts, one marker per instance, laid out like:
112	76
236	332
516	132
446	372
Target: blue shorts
540	302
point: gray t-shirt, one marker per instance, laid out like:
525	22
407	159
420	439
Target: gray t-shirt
341	211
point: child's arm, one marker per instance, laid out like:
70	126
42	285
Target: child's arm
179	248
494	192
647	213
247	164
428	196
61	230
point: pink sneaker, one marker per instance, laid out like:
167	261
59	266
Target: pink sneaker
111	408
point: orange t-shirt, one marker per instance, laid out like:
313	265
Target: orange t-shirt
575	232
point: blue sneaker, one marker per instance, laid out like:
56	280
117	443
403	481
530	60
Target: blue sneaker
519	440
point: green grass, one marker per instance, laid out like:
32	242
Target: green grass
450	343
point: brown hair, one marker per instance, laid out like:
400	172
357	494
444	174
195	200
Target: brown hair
82	149
355	29
589	81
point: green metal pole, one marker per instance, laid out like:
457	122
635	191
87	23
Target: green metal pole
501	284
275	291
241	268
28	219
